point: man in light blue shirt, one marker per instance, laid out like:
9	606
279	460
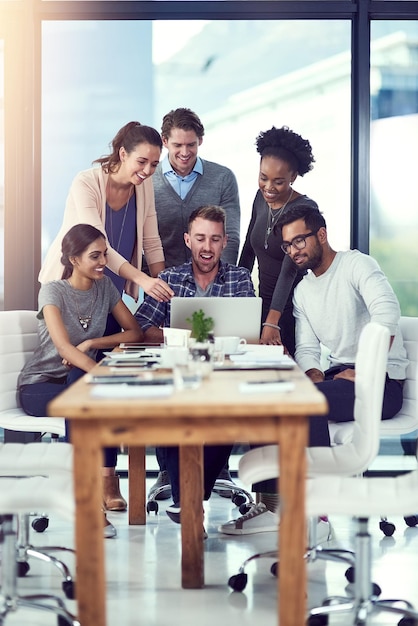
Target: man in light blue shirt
183	182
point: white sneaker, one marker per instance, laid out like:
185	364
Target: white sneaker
109	530
258	520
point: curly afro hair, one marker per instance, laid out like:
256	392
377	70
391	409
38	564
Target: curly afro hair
285	144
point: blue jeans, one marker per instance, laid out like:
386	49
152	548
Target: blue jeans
35	398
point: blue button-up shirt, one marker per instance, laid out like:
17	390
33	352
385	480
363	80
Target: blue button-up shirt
230	282
181	184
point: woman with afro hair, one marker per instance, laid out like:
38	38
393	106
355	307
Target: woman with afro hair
285	155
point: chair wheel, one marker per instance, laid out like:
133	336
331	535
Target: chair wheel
274	569
238	582
68	588
408	621
244	508
152	505
387	528
318	620
238	499
376	590
40	524
22	568
63	621
350	574
411	520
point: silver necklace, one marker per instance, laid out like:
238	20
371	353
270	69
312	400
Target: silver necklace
123	224
85	320
272	219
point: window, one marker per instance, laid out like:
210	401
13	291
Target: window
394	158
91	88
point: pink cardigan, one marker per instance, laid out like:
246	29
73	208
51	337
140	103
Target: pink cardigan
86	204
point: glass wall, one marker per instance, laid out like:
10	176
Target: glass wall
394	158
241	77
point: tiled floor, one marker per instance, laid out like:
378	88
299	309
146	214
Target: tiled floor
143	573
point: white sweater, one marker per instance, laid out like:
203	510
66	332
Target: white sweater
333	308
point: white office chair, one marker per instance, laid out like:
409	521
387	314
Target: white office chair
404	422
18	340
352	457
37	459
369	496
17	495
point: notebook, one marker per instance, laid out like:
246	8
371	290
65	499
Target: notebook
239	317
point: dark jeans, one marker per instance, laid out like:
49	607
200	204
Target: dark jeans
162	462
340	396
214	459
35	398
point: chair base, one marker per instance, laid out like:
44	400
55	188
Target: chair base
25	551
10	600
240	497
361	610
366	594
37	602
314	552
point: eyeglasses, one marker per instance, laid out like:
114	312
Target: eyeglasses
298	242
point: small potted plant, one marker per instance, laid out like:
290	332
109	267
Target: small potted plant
201	345
202	326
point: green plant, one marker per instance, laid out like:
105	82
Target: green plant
201	325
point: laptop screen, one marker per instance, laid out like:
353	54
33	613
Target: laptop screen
239	317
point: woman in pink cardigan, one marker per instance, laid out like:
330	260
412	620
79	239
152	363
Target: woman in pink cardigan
118	199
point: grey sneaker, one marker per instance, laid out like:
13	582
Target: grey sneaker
161	489
221	486
257	520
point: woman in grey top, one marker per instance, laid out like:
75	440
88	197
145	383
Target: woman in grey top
72	317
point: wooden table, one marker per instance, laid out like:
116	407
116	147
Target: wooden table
214	413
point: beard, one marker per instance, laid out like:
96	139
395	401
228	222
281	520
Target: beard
313	261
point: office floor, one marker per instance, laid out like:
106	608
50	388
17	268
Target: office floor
143	572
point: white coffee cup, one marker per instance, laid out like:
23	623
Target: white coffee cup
230	345
176	337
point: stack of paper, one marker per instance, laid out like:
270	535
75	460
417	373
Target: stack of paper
131	391
262	355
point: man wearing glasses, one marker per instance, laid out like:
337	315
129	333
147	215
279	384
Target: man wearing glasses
341	293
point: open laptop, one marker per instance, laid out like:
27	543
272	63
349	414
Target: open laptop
239	317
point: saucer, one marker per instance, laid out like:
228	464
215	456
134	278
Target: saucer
239	351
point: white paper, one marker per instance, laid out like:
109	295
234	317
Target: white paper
266	387
131	391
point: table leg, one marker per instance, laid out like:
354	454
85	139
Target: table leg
88	491
292	536
191	495
136	485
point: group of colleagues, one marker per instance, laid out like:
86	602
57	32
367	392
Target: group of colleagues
172	228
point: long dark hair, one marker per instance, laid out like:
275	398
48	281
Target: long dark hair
128	137
75	242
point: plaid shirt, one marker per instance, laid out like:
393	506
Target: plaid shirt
230	282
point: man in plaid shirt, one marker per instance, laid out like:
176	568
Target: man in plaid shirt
204	275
